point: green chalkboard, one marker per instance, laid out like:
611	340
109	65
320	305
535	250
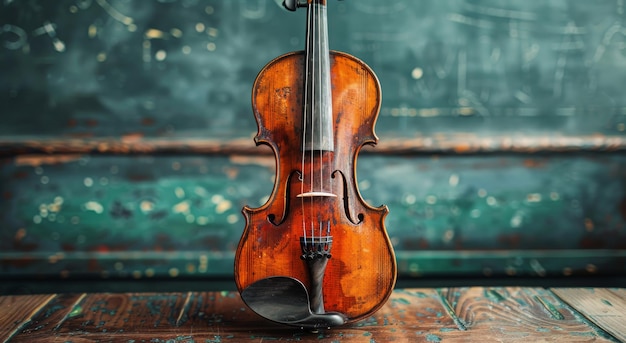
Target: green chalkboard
184	68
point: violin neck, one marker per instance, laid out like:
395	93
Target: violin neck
318	117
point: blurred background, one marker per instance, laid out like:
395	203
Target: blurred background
126	149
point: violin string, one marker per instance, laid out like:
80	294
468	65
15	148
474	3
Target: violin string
305	127
323	100
314	104
322	106
327	106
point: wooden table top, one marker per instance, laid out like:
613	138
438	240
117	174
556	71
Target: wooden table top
475	314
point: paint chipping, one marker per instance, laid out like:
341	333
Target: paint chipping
94	206
552	310
402	301
494	295
606	302
433	338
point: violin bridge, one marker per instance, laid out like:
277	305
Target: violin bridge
316	195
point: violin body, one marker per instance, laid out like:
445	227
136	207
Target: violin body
315	254
360	269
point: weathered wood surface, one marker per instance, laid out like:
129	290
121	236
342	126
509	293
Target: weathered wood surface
605	307
17	311
412	315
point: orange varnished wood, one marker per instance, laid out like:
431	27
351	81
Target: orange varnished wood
361	273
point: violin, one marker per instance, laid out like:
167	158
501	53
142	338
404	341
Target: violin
315	255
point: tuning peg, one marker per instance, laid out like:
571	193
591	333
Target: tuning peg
292	5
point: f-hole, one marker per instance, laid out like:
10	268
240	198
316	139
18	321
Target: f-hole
272	217
346	199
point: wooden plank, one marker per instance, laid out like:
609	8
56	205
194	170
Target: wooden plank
604	307
440	144
55	313
621	292
17	311
222	317
516	315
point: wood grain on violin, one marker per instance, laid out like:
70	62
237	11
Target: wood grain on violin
315	109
